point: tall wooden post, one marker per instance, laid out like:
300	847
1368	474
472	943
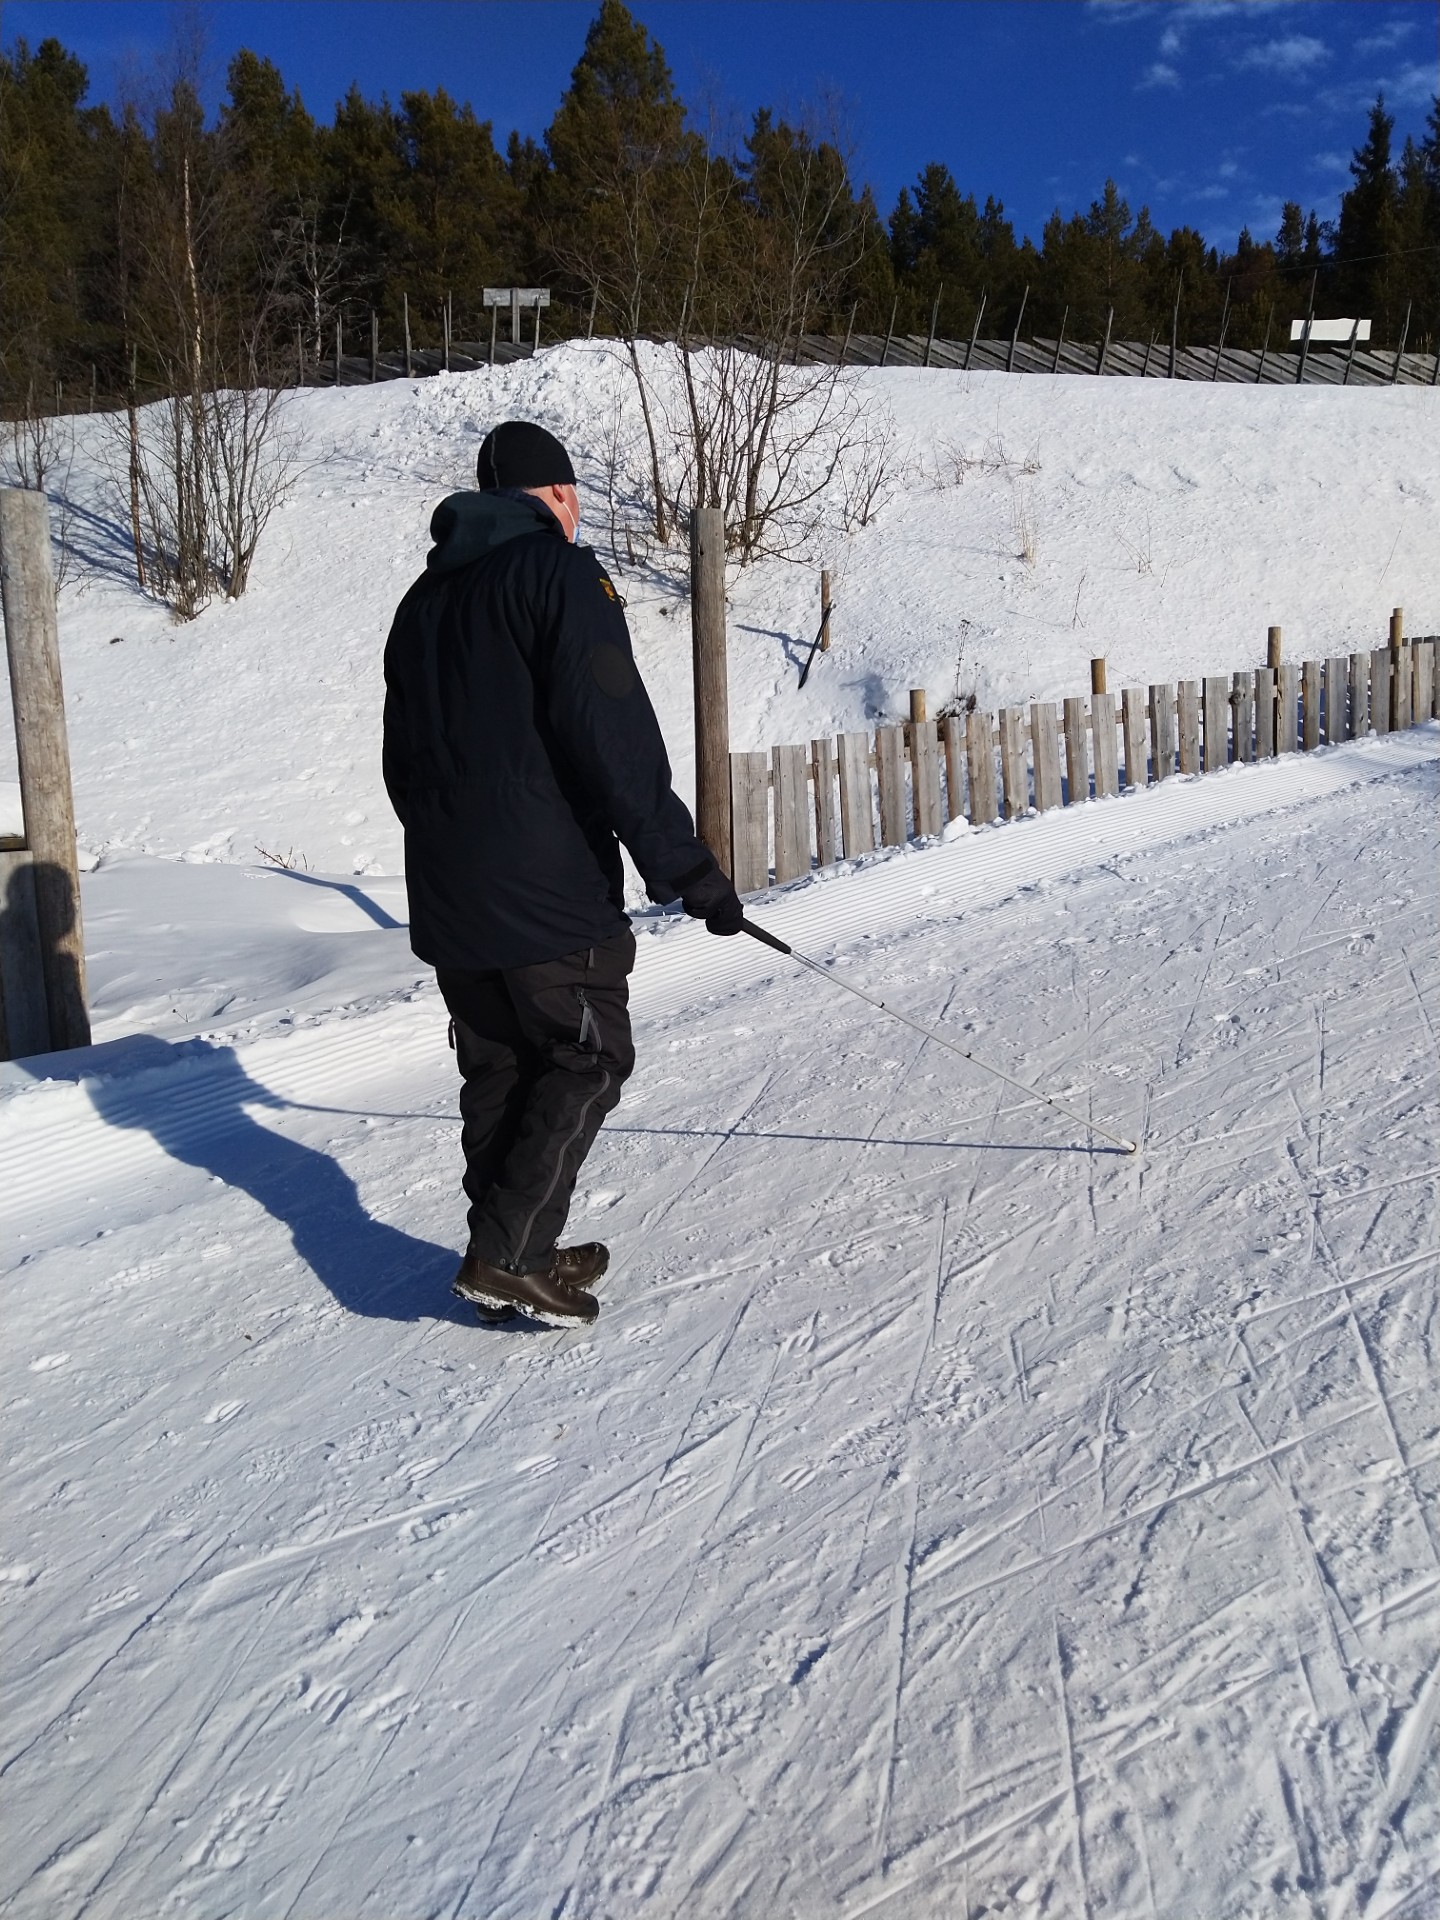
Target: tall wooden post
825	610
1397	629
374	346
1400	350
32	645
1272	650
1015	336
712	693
1305	337
409	362
975	330
917	705
1105	344
1097	676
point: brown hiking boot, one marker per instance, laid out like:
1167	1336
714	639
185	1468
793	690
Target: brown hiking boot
543	1294
582	1266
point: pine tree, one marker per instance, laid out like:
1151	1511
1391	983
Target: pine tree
52	222
1368	238
611	209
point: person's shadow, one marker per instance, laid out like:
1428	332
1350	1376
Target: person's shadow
191	1098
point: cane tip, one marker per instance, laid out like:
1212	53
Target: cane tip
1131	1146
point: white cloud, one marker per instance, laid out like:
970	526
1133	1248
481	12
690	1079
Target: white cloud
1410	86
1159	74
1171	40
1391	35
1330	162
1211	193
1297	55
1229	9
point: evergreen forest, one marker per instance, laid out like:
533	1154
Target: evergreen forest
148	249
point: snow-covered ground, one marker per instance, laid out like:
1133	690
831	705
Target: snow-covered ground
1170	524
943	1516
947	1514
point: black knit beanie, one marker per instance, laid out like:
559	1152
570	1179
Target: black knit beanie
519	454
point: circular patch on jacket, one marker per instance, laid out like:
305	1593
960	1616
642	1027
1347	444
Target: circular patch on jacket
614	671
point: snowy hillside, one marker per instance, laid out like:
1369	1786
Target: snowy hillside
941	1518
1168	525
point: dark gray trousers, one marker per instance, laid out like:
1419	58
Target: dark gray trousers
543	1052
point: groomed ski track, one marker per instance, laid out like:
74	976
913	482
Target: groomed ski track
942	1518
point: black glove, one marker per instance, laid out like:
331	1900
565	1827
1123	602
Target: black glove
708	895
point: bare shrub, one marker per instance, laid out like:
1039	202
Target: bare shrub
39	457
779	449
1022	524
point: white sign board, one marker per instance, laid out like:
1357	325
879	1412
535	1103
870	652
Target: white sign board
1332	330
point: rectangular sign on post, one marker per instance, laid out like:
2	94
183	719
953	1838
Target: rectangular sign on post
515	298
1331	332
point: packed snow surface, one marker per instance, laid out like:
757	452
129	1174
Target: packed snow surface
1167	525
947	1514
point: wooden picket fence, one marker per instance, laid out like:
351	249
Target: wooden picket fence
796	807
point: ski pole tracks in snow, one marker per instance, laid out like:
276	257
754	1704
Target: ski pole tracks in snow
933	1519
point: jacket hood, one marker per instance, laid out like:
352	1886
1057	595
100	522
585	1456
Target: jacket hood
467	526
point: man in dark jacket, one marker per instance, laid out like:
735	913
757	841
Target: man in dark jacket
520	746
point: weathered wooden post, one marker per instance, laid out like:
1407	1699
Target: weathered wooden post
934	316
1305	337
374	346
1400	350
1097	676
1015	336
32	646
975	330
712	692
1400	674
1272	650
409	359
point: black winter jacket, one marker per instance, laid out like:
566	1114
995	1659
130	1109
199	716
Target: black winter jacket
519	742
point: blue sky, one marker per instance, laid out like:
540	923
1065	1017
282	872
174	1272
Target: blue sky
1211	112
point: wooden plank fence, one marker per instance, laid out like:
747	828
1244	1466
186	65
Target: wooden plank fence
1119	359
798	807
